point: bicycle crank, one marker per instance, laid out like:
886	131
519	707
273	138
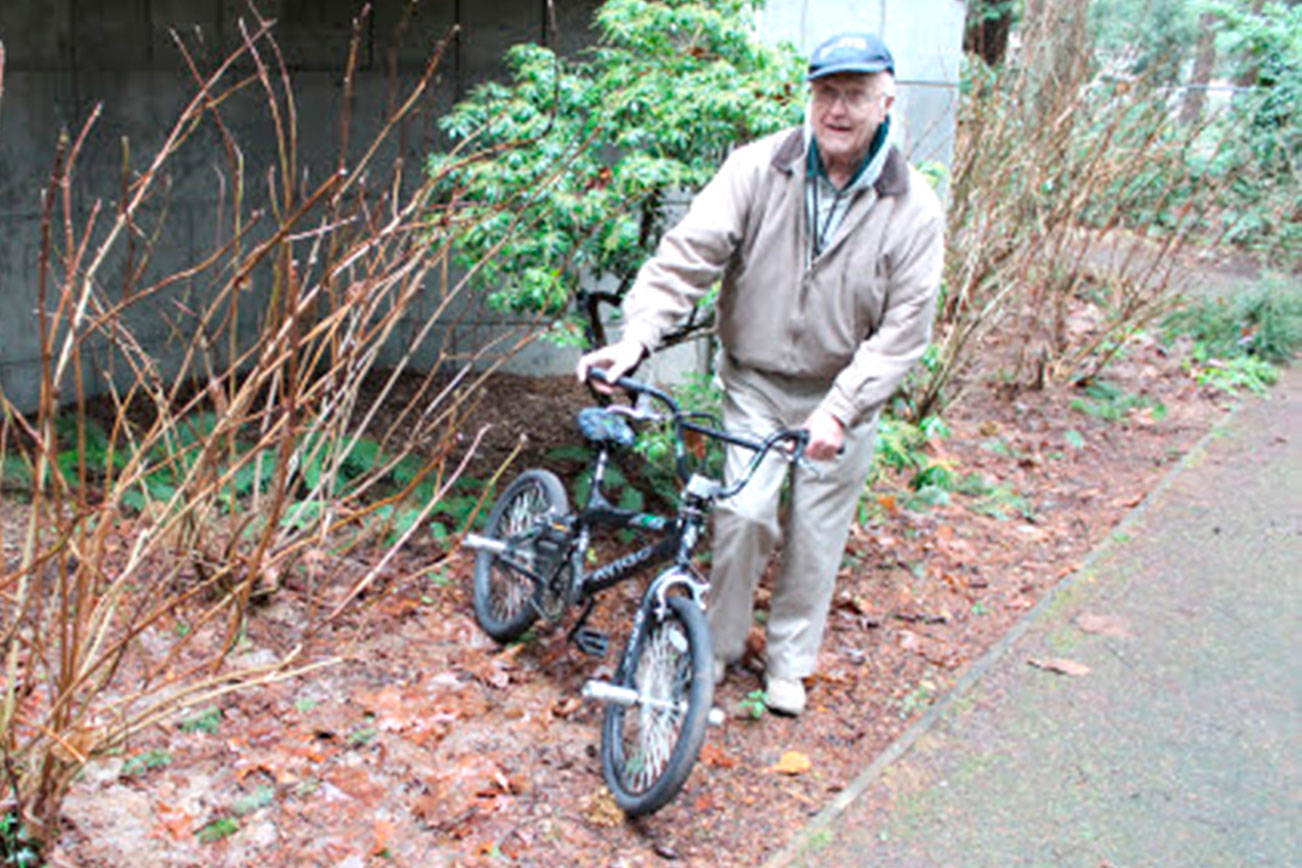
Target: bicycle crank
604	691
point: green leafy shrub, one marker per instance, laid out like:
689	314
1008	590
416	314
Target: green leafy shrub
1237	343
600	142
1265	322
16	846
901	446
1240	372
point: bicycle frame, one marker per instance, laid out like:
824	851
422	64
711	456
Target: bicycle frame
681	534
682	531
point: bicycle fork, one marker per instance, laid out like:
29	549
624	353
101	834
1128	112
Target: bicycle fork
609	692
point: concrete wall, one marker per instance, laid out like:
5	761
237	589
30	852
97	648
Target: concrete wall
65	56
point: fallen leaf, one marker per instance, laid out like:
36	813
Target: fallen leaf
793	762
175	823
460	790
1060	665
600	810
383	835
713	755
1107	625
357	783
563	708
704	803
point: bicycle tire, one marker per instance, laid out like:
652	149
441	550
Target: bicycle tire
648	752
507	601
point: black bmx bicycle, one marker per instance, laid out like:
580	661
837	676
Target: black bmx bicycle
531	564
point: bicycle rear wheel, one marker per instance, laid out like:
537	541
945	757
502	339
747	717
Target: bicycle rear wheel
648	749
507	600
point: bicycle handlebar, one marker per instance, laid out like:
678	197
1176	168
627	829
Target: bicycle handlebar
797	437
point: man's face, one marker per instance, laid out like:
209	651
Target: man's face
845	110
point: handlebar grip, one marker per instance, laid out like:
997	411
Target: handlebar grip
625	383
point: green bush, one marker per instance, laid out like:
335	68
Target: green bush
1265	322
1238	342
570	162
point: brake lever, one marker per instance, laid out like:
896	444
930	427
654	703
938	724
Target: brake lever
808	466
640	412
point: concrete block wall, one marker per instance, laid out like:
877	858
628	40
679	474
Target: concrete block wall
65	56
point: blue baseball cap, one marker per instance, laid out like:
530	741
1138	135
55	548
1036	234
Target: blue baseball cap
850	52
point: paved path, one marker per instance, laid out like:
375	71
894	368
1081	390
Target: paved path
1181	746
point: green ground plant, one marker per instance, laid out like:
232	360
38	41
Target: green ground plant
1108	402
150	760
1239	342
753	704
222	827
16	847
206	721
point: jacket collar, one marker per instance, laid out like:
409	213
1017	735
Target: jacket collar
790	157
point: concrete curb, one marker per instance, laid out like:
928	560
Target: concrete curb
823	821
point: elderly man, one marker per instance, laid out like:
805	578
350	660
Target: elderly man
828	245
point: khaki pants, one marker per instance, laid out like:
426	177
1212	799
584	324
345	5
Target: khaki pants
747	527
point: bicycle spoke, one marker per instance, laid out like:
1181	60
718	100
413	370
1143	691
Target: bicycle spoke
651	732
512	591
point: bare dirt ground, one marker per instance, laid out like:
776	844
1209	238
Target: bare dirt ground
429	745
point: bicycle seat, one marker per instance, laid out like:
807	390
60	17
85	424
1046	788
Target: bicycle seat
599	425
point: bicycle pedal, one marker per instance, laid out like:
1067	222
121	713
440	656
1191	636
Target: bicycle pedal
592	642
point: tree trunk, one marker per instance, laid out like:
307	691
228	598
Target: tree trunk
1247	76
986	31
1195	98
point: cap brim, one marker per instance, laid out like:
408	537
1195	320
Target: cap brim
860	68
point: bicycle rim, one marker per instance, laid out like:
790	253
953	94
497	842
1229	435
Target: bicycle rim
505	596
649	749
510	591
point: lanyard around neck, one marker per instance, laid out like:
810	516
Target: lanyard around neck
818	234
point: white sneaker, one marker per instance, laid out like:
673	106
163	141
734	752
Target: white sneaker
784	695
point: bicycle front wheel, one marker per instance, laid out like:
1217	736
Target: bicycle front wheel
648	749
507	601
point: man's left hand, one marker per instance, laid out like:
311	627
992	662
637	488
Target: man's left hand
826	435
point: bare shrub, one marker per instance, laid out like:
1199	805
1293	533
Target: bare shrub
1060	177
215	476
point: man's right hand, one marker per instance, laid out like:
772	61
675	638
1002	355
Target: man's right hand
617	358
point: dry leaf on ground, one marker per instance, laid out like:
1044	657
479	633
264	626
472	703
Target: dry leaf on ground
1060	665
715	756
1107	625
793	762
601	810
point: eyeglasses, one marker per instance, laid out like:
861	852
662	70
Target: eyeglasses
854	99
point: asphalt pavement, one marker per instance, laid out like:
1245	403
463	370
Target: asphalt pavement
1166	729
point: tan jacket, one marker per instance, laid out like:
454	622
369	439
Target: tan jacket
857	317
